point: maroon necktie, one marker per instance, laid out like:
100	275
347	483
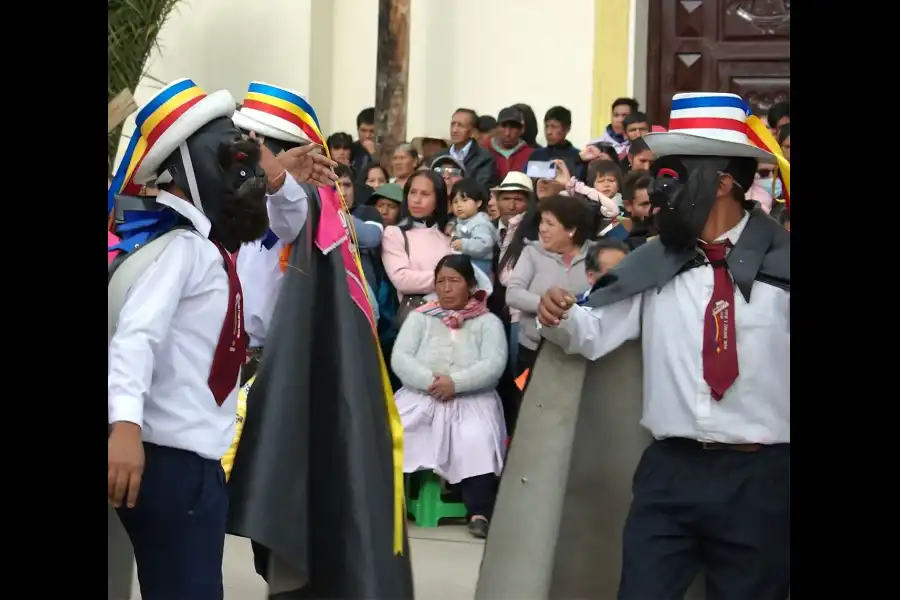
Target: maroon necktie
720	364
231	351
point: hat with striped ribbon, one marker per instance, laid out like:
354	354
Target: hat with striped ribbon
278	113
718	124
167	120
707	124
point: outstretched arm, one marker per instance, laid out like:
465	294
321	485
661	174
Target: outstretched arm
595	332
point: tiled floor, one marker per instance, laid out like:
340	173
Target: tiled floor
445	566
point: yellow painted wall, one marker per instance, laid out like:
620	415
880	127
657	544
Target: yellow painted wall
610	79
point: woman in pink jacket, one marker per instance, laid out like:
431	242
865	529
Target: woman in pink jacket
411	249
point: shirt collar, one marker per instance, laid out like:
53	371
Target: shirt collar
733	234
461	155
186	210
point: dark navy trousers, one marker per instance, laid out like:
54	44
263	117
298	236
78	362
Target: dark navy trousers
177	527
723	512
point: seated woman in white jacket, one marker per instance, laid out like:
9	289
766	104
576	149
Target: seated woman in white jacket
449	355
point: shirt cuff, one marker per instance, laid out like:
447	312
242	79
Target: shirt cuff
124	408
289	191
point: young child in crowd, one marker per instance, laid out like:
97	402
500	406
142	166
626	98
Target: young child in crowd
473	234
604	254
605	179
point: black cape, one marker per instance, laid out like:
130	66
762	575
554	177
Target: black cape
578	439
312	482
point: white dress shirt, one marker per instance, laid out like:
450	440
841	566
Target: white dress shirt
259	269
460	155
161	354
677	400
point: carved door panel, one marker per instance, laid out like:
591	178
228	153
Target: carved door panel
737	46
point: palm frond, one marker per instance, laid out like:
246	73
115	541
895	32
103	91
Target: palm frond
132	28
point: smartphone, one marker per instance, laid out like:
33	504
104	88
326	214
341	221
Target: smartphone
541	169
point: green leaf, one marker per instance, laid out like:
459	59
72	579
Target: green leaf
132	27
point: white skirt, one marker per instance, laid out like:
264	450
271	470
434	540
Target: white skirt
458	439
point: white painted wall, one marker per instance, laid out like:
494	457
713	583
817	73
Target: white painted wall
354	44
486	55
223	44
477	54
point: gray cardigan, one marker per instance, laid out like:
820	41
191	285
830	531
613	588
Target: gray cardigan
536	271
474	356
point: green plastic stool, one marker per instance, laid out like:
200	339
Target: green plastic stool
428	508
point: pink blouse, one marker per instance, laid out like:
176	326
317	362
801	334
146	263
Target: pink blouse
413	273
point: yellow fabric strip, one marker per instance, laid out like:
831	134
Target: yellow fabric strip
393	414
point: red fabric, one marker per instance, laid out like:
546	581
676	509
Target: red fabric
518	161
720	363
231	351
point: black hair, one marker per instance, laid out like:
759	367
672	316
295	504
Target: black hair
460	263
439	216
469	112
634	181
339	140
469	188
343	170
525	232
630	102
778	111
592	258
598	168
609	151
743	171
365	117
635	117
529	135
364	174
561	114
784	134
637	146
486	123
572	213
